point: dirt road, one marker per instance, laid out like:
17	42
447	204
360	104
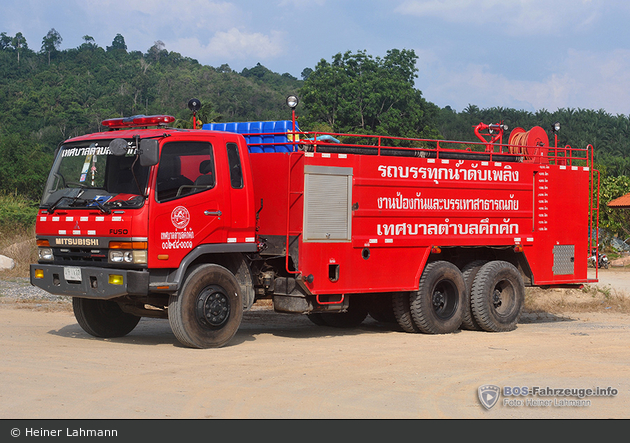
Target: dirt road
283	366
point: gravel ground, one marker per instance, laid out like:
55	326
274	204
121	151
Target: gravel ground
19	289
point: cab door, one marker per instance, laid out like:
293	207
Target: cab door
190	202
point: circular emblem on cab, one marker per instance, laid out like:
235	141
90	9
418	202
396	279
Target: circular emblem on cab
180	217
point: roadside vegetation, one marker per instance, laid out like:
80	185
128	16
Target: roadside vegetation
542	302
17	233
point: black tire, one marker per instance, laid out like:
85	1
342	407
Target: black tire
103	318
498	296
208	309
353	317
316	318
381	308
402	311
437	307
470	272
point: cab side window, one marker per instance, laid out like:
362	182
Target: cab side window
236	170
185	168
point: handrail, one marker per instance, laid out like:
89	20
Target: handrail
289	205
554	155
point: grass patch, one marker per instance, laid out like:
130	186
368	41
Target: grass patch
588	299
17	233
16	212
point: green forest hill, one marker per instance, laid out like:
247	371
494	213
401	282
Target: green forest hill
48	95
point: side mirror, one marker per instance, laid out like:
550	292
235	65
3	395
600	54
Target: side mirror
149	152
118	146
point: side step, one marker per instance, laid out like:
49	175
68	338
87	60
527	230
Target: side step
290	297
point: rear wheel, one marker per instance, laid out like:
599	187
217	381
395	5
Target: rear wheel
470	272
438	305
103	318
207	311
402	311
497	297
353	317
381	308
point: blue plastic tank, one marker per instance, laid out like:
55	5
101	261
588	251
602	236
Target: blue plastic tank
269	136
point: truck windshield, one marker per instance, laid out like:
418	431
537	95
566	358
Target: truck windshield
89	175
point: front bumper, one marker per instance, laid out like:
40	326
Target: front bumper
94	282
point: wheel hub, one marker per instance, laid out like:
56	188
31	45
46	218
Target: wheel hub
438	300
213	306
496	298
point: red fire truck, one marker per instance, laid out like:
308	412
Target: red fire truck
145	220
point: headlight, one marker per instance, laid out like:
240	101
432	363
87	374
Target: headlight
45	254
122	256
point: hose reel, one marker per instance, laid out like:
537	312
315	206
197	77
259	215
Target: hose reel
533	145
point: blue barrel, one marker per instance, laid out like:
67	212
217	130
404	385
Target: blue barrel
269	136
255	129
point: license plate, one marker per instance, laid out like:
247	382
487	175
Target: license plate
72	273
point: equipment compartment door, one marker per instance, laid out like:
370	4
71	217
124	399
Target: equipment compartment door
327	204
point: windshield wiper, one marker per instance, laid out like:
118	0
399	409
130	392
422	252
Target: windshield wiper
51	208
134	201
87	202
102	208
83	201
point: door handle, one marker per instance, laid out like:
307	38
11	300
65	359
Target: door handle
217	213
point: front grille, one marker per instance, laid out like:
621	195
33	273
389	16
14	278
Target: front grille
77	256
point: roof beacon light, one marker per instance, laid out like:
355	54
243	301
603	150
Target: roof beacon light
137	121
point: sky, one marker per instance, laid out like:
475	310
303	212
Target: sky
523	54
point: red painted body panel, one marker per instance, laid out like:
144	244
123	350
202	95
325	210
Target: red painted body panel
405	206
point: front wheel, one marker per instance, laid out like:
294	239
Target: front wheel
207	311
103	318
497	296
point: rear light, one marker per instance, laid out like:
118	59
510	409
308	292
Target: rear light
138	120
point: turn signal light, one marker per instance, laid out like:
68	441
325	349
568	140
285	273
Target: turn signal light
128	245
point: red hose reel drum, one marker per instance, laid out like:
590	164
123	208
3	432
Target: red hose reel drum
532	144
